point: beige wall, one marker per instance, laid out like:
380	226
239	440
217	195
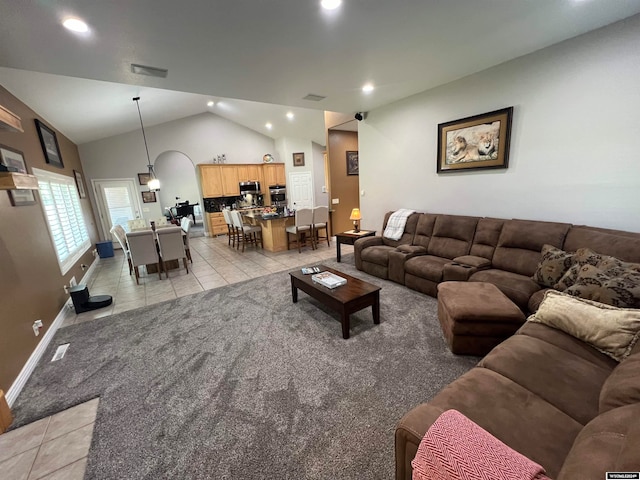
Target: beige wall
30	279
343	187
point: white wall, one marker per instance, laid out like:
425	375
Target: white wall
200	138
178	178
575	142
321	198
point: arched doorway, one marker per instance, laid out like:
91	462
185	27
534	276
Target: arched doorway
178	180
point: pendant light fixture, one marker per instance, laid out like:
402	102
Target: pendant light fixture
153	183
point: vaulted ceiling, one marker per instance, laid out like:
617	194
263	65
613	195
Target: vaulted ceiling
237	53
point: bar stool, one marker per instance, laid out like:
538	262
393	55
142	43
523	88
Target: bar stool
304	225
246	233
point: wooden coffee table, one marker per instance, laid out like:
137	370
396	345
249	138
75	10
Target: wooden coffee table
345	299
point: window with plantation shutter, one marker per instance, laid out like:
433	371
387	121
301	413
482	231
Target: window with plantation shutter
61	205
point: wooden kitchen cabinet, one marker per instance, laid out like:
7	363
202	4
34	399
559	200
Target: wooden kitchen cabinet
230	182
217	225
251	173
211	178
274	174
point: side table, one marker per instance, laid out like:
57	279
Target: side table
349	238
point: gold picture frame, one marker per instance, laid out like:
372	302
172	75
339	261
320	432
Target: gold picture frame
475	143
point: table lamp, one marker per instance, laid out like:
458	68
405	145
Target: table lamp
355	216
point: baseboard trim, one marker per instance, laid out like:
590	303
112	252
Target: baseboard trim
29	367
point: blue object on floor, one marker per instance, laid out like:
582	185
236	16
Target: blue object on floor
105	249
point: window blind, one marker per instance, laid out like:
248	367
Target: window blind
61	206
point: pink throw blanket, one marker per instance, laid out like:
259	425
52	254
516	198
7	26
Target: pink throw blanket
455	448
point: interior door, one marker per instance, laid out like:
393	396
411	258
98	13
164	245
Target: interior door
117	202
300	190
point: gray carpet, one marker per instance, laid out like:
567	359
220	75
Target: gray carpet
240	383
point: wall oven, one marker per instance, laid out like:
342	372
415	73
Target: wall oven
278	195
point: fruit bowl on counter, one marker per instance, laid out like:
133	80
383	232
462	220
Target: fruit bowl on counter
269	212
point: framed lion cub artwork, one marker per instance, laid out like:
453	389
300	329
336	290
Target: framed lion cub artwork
474	143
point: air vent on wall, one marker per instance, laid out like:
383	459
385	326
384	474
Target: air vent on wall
314	98
150	71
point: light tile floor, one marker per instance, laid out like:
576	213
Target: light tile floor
56	447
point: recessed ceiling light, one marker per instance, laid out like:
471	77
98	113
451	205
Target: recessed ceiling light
368	88
75	25
210	103
330	4
290	115
268	125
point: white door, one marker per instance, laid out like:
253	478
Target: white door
300	190
117	202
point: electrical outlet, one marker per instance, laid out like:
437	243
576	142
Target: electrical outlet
37	325
335	201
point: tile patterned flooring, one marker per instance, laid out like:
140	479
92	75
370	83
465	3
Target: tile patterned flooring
56	447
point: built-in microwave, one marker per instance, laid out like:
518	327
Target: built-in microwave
278	195
249	187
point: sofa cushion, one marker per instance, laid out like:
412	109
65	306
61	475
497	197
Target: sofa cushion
536	299
554	263
620	288
616	243
609	443
378	254
623	385
407	235
513	414
614	331
518	288
559	377
486	237
521	242
426	266
424	229
452	236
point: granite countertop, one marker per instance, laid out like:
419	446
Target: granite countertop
266	216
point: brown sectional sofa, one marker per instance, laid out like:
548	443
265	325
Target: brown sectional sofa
546	394
436	248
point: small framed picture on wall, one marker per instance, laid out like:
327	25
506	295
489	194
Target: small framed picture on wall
353	167
149	197
298	159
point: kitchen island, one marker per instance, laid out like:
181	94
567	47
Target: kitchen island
274	235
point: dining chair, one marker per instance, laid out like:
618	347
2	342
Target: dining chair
231	230
171	247
186	224
121	235
320	221
137	224
142	247
302	227
245	233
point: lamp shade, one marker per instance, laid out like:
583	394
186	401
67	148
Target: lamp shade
355	214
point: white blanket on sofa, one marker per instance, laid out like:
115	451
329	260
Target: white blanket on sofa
396	223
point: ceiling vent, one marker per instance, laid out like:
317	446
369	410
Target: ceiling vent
150	71
314	98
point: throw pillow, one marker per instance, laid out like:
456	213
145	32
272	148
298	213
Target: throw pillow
615	286
552	266
583	256
622	387
611	330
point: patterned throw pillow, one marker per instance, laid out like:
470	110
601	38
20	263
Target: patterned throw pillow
553	265
583	256
615	285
